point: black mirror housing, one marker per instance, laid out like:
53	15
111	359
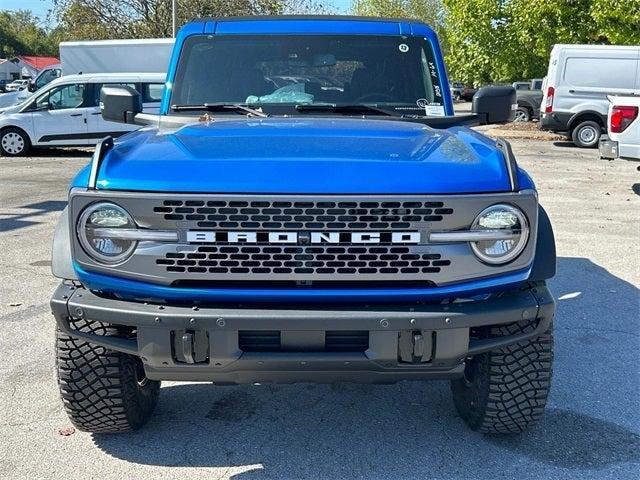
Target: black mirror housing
120	104
31	87
495	104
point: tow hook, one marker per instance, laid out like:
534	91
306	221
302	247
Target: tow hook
415	346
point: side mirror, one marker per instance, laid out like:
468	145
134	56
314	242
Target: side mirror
120	104
32	87
495	104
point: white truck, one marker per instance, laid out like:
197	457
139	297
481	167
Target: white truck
146	55
623	125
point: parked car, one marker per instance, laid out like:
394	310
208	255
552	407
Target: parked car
3	85
256	233
623	140
66	112
577	84
456	89
521	85
17	85
45	76
529	100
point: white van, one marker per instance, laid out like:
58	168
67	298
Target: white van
66	112
577	84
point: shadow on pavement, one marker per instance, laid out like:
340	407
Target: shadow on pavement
411	430
21	220
62	152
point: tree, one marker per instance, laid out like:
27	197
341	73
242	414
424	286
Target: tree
507	40
430	12
21	34
102	19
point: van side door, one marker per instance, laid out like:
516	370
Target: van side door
60	115
588	77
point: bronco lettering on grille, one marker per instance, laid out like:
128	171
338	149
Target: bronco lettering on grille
200	236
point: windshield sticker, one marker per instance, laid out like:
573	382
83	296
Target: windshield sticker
434	110
422	102
403	47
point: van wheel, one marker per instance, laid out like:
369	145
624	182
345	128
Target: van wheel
586	134
14	142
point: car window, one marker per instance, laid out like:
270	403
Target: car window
392	71
98	87
152	92
65	96
47	76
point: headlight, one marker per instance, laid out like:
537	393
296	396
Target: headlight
511	229
98	232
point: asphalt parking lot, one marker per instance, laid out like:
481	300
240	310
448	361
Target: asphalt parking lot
403	431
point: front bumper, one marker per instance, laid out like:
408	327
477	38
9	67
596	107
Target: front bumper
391	353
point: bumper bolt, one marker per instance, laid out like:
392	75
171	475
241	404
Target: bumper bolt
384	323
413	321
192	321
195	309
447	320
158	319
220	322
79	312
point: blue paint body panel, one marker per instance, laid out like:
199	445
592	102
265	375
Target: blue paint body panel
309	154
304	155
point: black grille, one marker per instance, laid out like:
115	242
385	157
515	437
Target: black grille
335	341
315	260
295	215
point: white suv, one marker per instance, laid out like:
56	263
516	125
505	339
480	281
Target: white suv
66	112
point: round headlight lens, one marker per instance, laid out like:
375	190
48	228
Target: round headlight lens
501	219
93	227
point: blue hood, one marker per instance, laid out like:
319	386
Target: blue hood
306	155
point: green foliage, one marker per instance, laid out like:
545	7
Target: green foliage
430	12
21	34
102	19
507	40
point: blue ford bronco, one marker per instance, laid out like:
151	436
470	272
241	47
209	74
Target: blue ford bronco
305	208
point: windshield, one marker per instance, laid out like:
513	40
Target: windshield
394	72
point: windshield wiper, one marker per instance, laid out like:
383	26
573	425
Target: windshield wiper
332	107
220	107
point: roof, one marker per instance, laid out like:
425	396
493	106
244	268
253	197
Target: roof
38	62
109	77
308	24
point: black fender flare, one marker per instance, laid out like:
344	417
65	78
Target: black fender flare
61	257
574	119
544	263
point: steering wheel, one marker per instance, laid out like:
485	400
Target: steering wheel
376	96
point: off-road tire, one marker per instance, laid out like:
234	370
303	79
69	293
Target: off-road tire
103	391
505	391
586	134
17	142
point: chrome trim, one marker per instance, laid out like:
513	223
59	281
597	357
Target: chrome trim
137	234
472	236
517	250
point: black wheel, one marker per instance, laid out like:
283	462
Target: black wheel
14	142
102	391
586	134
505	391
522	115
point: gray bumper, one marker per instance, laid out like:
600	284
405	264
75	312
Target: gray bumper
608	148
443	330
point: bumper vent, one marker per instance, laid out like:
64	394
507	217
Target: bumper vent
335	341
278	215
